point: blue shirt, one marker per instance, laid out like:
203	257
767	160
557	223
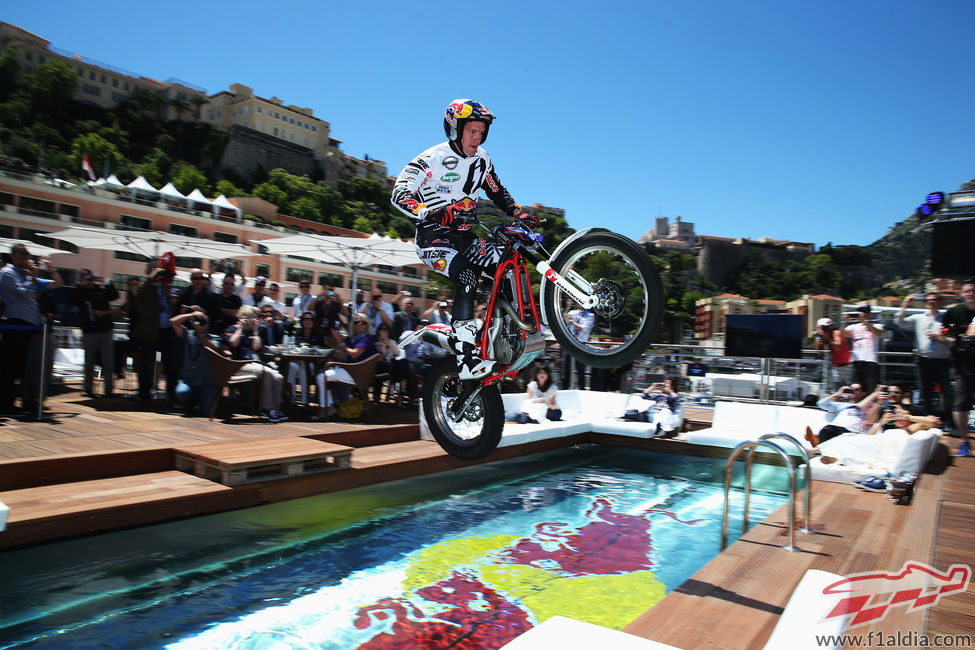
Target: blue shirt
19	292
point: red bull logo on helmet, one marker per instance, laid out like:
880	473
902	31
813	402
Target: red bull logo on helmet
461	110
440	264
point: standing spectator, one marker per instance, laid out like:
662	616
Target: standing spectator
329	312
378	310
196	388
830	338
230	303
22	325
959	328
404	320
301	303
92	298
438	314
244	343
933	355
395	363
258	298
274	292
153	333
581	321
199	297
865	337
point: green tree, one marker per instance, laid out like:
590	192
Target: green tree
272	194
361	224
227	188
98	149
154	168
187	177
304	208
9	69
51	86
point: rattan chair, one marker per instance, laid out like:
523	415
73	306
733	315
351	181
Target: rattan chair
226	372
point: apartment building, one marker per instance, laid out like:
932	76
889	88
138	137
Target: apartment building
103	85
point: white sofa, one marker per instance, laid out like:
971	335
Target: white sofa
736	422
583	411
857	455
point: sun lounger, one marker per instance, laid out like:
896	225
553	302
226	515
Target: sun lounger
569	634
804	618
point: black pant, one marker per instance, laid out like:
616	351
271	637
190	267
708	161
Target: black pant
166	345
867	374
15	348
933	371
830	431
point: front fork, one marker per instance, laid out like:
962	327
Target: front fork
570	283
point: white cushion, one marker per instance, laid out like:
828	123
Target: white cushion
804	619
569	634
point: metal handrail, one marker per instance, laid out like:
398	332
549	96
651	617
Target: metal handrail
728	468
808	474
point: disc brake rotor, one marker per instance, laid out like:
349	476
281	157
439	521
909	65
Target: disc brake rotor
612	301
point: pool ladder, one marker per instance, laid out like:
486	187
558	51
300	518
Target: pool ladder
752	446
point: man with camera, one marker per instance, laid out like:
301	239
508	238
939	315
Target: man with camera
97	316
847	411
932	354
329	311
22	323
154	333
378	310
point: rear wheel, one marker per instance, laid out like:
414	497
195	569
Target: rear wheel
630	298
478	433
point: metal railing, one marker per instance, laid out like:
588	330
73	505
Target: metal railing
751	445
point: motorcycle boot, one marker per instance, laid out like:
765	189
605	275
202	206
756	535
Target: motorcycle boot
470	366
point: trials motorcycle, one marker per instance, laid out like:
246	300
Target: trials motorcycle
597	270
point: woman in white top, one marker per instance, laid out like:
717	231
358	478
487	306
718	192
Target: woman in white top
541	399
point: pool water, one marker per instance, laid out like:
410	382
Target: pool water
462	559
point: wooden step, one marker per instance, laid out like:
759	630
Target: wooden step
103	494
238	463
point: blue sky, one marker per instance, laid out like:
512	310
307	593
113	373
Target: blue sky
821	122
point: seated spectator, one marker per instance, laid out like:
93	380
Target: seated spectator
394	361
310	334
888	396
271	328
196	386
911	418
244	343
359	345
666	411
541	398
847	408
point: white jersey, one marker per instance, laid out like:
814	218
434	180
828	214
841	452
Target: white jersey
440	176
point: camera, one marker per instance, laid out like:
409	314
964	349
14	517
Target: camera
848	391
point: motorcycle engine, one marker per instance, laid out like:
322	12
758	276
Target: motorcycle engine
508	346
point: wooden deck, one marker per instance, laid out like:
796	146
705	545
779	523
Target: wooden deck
120	465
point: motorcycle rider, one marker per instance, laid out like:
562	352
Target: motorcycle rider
437	189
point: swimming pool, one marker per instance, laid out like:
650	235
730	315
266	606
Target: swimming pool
470	558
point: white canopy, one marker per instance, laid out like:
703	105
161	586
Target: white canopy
221	202
148	243
196	196
169	191
113	183
142	185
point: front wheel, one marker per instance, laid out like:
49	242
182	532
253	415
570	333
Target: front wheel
479	431
630	303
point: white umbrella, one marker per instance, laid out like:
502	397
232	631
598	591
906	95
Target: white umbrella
148	243
196	196
32	248
353	252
